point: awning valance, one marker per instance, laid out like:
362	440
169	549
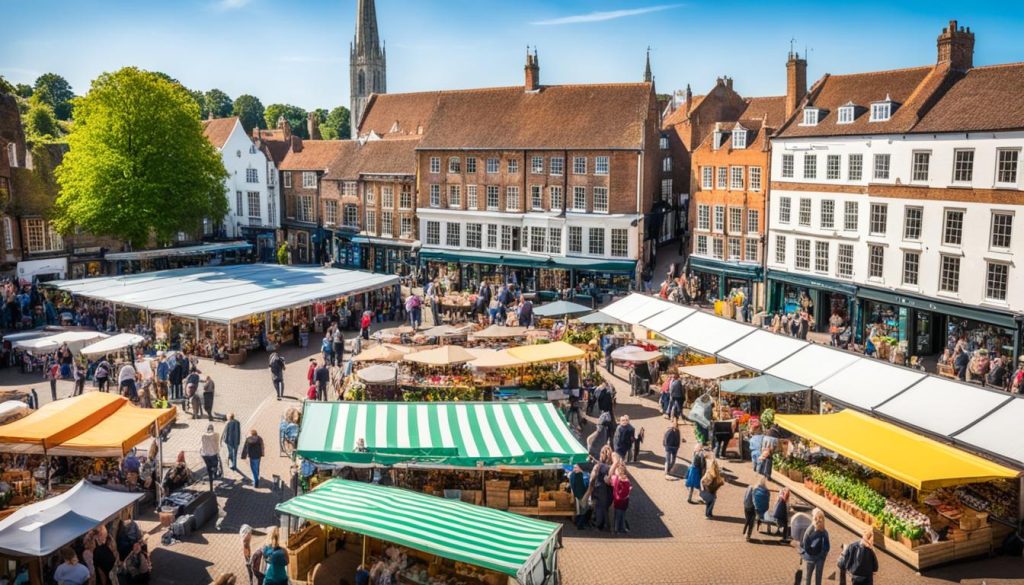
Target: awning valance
915	460
483	537
214	248
438	434
557	351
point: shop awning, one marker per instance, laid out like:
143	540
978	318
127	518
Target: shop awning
942	406
182	251
812	365
592	264
868	382
40	529
446	355
667	318
711	371
759	386
511	544
999	432
223	294
954	309
499	332
560	309
761	350
112	344
599	318
915	460
49	344
635	307
463	257
557	351
746	270
707	333
634	353
57	422
490	359
438	434
115	435
379	353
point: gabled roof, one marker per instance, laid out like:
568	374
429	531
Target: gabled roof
774	107
218	130
314	155
557	116
985	98
682	113
912	90
383	157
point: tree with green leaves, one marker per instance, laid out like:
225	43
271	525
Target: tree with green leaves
295	115
336	125
249	110
23	90
39	121
5	86
138	166
218	103
55	91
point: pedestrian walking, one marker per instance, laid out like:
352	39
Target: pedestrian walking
710	484
605	399
625	434
276	559
321	378
579	487
671	442
126	382
232	437
338	347
600	488
621	488
102	374
53	374
253	451
176	377
676	395
364	325
756	440
194	401
209	450
245	534
163	373
695	472
277	367
859	559
79	374
208	392
780	514
814	548
755	504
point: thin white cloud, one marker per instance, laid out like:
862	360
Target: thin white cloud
231	4
605	15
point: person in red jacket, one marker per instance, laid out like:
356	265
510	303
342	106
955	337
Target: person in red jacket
311	370
621	487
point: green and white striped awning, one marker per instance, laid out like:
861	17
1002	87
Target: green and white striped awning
438	434
509	543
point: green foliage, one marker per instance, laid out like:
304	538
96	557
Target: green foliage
55	91
23	90
295	115
139	165
250	112
282	254
217	103
39	121
336	125
36	187
5	86
767	418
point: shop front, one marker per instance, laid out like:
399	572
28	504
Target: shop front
929	327
264	242
86	262
821	297
384	255
302	244
724	280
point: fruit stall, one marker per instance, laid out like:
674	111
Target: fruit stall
929	503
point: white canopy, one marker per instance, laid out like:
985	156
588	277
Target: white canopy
998	432
942	406
636	307
667	318
868	383
634	353
761	350
112	344
707	333
711	371
75	340
812	365
224	294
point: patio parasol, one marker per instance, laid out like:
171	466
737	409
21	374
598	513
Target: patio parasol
378	374
446	355
379	353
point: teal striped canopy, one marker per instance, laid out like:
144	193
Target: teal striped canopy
438	434
508	543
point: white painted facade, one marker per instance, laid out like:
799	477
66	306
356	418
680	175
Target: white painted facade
984	260
251	187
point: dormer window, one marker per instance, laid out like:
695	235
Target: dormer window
881	111
846	114
716	139
810	117
739	137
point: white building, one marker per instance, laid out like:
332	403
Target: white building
894	199
251	186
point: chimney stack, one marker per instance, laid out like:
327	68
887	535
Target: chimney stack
956	47
796	82
313	126
689	98
532	70
285	127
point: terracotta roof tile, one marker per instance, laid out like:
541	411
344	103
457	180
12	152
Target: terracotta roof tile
985	98
398	114
314	155
384	157
218	130
758	107
682	113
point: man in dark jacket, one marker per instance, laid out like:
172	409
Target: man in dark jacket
859	560
671	443
176	377
676	394
232	437
625	434
605	399
277	367
321	377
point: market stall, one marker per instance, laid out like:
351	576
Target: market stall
112	344
75	340
431	540
930	503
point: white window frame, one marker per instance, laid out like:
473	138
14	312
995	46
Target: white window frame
537	165
920	166
833	167
754	177
803	217
1009	175
953	222
512	198
855	167
736	178
876	263
810	166
579	199
802	258
1005	278
780	249
992	231
433	233
704	217
881	111
878	219
435	165
949	284
963	168
707	178
882	167
845	115
821	256
739	138
602	165
913	222
785	210
851	216
788	166
844	261
579	165
600	197
595	241
753	221
308	180
810	117
619	243
556	166
454	165
911	269
493	166
828	214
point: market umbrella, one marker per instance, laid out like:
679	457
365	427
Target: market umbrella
711	371
500	332
493	359
446	355
378	353
378	374
112	344
561	309
759	386
599	318
632	353
446	331
400	330
75	340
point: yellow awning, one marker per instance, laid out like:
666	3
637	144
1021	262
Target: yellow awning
58	421
915	460
115	435
558	351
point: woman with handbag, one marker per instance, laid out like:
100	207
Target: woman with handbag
710	484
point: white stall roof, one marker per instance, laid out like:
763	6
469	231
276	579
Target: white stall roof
942	406
761	350
667	318
226	293
868	383
707	333
812	364
998	432
636	307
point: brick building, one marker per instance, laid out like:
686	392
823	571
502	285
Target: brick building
13	156
547	185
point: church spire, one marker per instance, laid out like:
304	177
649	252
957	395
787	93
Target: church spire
367	63
648	77
367	40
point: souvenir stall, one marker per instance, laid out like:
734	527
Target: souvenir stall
506	455
416	538
929	503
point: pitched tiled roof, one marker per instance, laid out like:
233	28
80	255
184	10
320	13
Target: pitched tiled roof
985	98
384	157
911	90
218	130
558	116
758	107
682	113
314	155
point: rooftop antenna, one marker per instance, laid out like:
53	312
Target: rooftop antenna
791	41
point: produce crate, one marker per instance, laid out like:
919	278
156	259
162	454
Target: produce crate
517	498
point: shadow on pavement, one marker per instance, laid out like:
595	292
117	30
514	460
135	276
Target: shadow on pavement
174	567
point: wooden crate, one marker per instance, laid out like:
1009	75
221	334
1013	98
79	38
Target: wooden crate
517	498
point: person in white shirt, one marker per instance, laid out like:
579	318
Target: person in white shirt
210	451
126	382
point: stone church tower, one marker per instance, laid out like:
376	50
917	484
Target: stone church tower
367	62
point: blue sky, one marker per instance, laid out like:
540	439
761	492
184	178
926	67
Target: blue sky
296	51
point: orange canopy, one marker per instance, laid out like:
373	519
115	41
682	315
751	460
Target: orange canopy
115	435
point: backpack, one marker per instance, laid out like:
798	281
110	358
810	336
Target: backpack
621	489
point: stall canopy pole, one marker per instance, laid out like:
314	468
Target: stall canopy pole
364	551
159	465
